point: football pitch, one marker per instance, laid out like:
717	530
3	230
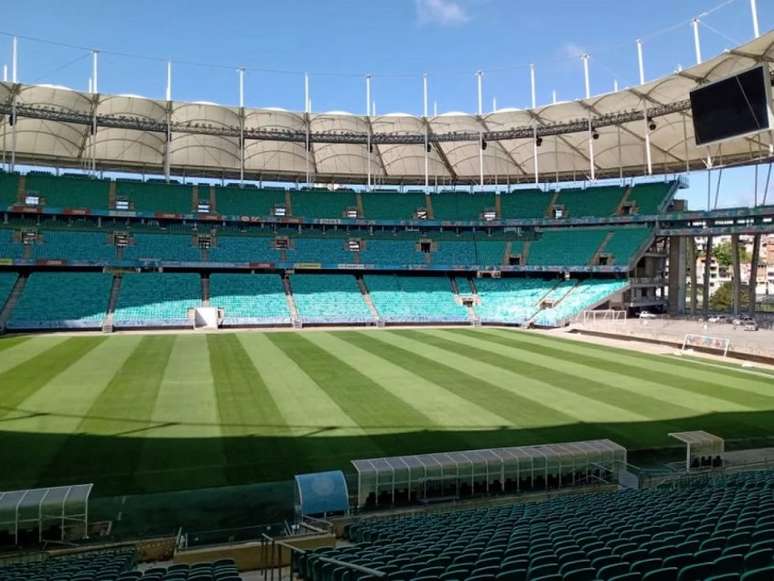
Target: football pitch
142	413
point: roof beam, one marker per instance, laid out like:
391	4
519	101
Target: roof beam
499	143
441	153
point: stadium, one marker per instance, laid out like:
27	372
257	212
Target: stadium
515	344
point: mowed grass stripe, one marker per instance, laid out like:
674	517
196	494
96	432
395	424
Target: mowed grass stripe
183	444
745	384
257	442
657	400
23	380
9	342
21	352
54	411
328	436
373	407
517	411
107	444
442	407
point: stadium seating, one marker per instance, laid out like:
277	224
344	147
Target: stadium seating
62	300
173	247
9	189
157	300
222	570
523	204
510	300
250	299
69	191
651	198
398	250
585	295
156	197
414	299
75	245
329	299
565	247
454	250
714	527
244	248
10	248
392	205
490	252
626	243
7	281
311	204
461	206
235	201
598	201
320	248
104	565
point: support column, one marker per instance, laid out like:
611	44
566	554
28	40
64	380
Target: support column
692	273
677	273
754	271
706	289
736	273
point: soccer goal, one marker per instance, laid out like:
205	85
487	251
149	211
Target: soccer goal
603	315
707	342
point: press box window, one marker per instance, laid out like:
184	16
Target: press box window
32	199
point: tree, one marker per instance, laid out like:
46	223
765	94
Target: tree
723	299
722	253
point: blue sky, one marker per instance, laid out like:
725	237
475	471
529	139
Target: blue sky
339	41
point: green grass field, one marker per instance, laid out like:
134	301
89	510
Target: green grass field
140	413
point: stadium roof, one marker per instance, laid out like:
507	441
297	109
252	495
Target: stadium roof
54	127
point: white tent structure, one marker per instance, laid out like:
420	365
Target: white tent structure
641	130
38	509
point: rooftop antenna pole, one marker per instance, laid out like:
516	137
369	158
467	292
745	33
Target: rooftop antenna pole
480	86
368	126
241	86
533	86
425	95
615	85
435	108
169	81
494	104
696	40
641	62
553	96
586	83
94	70
306	93
754	10
241	125
14	59
368	95
5	73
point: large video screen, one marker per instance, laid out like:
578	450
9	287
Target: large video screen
732	107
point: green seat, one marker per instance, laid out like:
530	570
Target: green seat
762	574
662	574
645	565
695	572
759	558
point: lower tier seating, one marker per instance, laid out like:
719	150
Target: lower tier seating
157	300
585	295
329	298
7	280
714	529
222	570
510	300
250	299
414	299
53	300
109	565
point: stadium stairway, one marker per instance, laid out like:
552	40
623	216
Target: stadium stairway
294	318
107	323
16	289
369	301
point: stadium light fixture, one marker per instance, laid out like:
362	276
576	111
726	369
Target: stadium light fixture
595	134
539	141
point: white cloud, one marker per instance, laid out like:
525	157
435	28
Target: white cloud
572	51
441	12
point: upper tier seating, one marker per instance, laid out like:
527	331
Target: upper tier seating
9	189
235	201
311	204
490	252
461	206
454	250
244	248
174	247
156	196
414	299
329	298
320	249
689	534
399	250
62	300
650	198
156	299
626	242
392	205
584	296
104	565
250	299
75	245
523	204
70	191
598	201
7	280
510	300
10	248
566	247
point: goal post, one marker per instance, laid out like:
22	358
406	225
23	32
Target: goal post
707	342
595	316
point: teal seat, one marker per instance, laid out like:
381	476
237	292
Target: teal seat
762	574
662	574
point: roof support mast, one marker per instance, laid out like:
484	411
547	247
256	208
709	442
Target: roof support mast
425	95
481	143
14	60
169	121
648	153
369	146
307	108
587	86
241	72
14	79
533	92
94	91
754	11
696	40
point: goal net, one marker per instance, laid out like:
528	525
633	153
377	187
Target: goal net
707	342
601	315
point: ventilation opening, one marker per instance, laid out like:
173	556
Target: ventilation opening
351	213
122	204
281	243
421	214
489	215
29	237
514	260
205	242
627	209
121	239
558	212
280	211
604	260
32	199
203	207
354	245
425	246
